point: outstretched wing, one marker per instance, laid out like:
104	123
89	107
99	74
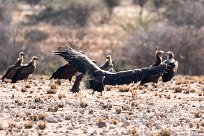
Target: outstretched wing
78	60
100	77
126	77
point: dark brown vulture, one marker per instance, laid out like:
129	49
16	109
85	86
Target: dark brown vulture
111	69
108	64
64	72
154	78
12	69
98	77
172	66
24	71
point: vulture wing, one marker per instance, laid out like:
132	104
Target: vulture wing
78	60
10	72
126	77
23	72
64	72
84	65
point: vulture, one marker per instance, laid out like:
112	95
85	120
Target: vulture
158	61
111	69
12	69
108	64
172	66
64	72
97	77
24	71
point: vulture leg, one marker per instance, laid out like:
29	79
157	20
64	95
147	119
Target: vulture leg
75	87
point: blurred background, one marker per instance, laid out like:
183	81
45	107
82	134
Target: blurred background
129	30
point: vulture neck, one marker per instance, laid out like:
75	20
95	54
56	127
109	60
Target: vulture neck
33	62
170	59
19	60
159	59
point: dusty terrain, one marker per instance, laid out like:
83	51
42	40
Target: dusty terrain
43	107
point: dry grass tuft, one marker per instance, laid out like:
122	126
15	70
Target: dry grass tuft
114	121
118	110
41	116
133	131
83	104
124	88
178	90
53	108
60	96
28	125
61	105
42	125
197	114
107	87
53	86
52	91
165	132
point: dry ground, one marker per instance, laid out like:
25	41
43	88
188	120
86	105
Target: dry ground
43	107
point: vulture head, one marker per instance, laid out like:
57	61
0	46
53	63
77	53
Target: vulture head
21	54
159	53
33	60
108	58
170	55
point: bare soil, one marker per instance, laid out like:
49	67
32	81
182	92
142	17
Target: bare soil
39	106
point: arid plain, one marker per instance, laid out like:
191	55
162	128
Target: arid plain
43	107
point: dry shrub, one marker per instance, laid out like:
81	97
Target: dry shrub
41	116
53	108
185	41
178	90
73	13
53	86
83	104
28	125
52	91
133	131
124	88
42	125
165	132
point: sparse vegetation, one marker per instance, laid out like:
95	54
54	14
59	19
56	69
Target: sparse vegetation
165	132
28	125
42	125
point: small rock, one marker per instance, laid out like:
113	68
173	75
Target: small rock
51	119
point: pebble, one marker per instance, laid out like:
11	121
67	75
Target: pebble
51	119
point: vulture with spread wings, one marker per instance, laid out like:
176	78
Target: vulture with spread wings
108	66
98	78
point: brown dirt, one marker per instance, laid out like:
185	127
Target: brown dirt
174	108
